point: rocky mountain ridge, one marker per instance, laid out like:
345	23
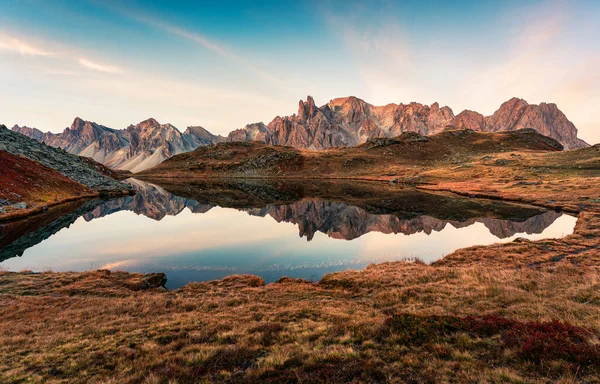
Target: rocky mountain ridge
134	148
342	122
350	121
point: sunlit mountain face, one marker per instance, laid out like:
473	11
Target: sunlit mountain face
208	230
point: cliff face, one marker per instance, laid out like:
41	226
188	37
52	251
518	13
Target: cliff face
350	121
545	118
135	148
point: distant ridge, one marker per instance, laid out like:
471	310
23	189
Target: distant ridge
134	148
342	122
350	121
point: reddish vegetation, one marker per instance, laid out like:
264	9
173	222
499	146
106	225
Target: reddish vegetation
535	341
23	180
406	321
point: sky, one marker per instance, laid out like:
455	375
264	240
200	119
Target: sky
223	64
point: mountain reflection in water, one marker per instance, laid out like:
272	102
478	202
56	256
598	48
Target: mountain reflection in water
207	230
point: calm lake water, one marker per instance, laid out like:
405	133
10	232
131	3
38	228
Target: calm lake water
205	231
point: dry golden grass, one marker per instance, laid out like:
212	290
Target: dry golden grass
100	327
522	312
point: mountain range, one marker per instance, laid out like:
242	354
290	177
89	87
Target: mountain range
343	122
350	121
134	148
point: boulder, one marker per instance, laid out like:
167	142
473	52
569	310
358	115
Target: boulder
153	280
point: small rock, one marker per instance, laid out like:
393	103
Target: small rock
1	210
502	162
154	280
394	180
521	240
4	202
21	205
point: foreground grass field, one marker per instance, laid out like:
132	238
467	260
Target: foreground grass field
394	322
521	312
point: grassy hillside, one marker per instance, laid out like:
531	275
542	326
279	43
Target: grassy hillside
25	181
378	158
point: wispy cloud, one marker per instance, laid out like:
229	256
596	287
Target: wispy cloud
21	47
200	39
99	67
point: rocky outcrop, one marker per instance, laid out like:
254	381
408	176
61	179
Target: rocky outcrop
468	120
200	136
545	118
74	167
350	121
135	148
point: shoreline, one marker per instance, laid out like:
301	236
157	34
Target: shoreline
28	212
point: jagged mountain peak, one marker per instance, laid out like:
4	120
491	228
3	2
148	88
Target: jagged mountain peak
147	124
348	121
197	129
134	148
342	122
308	109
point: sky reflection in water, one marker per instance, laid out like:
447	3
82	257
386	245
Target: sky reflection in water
216	241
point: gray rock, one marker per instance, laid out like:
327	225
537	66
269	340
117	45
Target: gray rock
153	280
21	205
72	166
1	210
4	202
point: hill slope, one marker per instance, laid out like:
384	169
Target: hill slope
26	184
380	156
71	166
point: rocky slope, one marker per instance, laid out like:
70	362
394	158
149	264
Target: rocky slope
350	121
135	148
26	185
74	167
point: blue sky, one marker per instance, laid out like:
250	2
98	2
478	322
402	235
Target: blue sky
224	64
